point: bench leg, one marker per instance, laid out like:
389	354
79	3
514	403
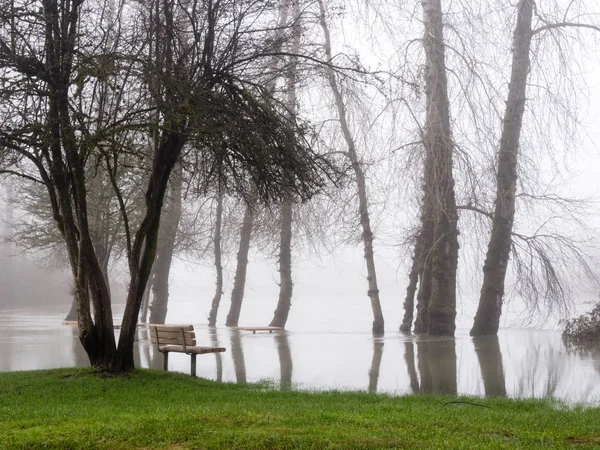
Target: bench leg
193	355
166	361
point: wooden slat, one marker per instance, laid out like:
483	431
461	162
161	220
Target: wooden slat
255	329
172	334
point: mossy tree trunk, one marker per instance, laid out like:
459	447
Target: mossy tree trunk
438	144
487	318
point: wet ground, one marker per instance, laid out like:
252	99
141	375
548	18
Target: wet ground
518	363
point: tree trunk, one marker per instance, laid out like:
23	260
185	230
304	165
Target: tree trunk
214	308
146	302
166	247
363	204
423	248
286	284
239	282
438	142
487	318
409	302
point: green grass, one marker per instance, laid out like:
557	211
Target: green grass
83	409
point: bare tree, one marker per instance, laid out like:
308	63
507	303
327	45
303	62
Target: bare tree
216	301
361	186
202	87
437	243
286	285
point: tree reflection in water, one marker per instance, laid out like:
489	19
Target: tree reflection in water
437	365
409	359
375	365
214	341
487	349
285	360
237	353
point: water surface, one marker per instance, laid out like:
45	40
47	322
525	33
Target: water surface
518	363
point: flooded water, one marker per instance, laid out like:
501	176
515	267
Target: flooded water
519	363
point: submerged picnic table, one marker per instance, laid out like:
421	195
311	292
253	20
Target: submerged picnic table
255	329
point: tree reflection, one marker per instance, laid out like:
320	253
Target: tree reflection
409	358
487	349
437	366
214	341
237	353
285	361
375	365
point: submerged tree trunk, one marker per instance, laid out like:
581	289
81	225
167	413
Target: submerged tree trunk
438	143
239	282
363	203
286	284
214	307
487	319
424	245
166	247
411	290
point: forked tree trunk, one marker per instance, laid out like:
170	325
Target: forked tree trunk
166	248
214	307
286	284
438	143
239	282
363	203
487	318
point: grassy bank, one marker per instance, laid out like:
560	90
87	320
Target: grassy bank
80	409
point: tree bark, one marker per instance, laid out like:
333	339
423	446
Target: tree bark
286	284
409	302
487	318
438	143
357	166
166	247
239	282
214	308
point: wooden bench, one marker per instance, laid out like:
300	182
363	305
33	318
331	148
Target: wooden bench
179	339
255	329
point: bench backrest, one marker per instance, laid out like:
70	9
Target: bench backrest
172	335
